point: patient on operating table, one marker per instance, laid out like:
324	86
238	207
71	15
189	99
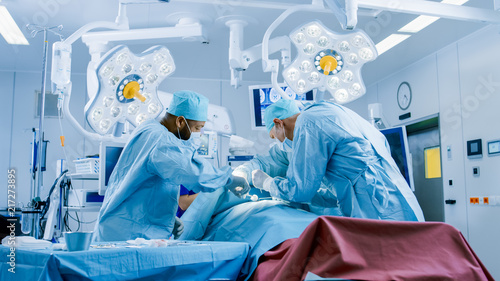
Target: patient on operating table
186	198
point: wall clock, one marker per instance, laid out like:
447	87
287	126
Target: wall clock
404	95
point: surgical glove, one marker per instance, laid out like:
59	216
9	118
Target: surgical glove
178	228
241	171
261	180
239	186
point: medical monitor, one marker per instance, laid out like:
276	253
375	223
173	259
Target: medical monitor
400	152
109	153
262	96
208	145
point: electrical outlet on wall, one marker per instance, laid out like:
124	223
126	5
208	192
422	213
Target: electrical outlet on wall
475	171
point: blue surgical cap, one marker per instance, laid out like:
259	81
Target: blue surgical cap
191	105
282	109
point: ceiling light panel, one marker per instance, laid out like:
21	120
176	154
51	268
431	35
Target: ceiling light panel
9	29
422	22
391	41
418	24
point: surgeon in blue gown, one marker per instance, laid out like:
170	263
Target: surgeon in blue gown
276	163
332	147
143	190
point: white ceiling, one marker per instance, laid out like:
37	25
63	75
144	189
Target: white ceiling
209	61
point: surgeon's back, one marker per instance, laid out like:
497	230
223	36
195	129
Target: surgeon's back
360	169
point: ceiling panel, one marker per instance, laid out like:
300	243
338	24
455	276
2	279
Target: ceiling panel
210	61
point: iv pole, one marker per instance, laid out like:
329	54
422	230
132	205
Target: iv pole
35	29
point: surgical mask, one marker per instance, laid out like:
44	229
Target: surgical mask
179	133
286	145
194	137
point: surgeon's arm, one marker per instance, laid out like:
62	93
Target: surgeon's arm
312	149
179	165
275	164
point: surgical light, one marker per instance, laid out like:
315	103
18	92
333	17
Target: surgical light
330	61
128	87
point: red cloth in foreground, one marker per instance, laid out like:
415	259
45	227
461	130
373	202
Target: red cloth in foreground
364	249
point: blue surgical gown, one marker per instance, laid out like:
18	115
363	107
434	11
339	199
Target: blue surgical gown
276	164
334	146
143	190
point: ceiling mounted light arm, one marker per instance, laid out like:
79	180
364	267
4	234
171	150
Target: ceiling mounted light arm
278	44
348	16
273	65
239	59
121	22
282	44
61	67
93	25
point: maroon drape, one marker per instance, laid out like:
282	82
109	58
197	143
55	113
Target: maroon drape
364	249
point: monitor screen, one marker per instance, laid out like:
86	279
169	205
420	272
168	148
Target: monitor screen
263	96
400	151
208	145
203	149
109	153
112	155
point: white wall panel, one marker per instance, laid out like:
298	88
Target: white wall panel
480	98
467	77
23	120
451	137
422	77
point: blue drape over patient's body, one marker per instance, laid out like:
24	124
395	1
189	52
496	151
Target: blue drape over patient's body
221	216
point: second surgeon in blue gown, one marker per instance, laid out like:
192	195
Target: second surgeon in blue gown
334	147
143	190
276	164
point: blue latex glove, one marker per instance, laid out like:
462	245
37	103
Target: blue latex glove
239	186
178	228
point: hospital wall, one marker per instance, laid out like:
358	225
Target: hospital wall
461	84
18	120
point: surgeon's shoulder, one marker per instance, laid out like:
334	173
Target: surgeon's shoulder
311	113
153	130
320	114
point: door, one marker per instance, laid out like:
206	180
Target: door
424	147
